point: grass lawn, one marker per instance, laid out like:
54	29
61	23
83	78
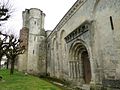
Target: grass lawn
19	81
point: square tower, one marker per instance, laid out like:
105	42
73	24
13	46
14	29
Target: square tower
33	19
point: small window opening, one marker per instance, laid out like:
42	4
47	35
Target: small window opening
34	38
111	21
35	22
28	11
33	51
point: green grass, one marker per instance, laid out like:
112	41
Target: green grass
19	81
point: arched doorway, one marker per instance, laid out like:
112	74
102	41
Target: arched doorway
80	67
86	67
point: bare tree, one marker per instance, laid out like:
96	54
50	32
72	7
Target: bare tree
3	38
9	45
13	49
5	10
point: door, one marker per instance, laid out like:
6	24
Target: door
86	67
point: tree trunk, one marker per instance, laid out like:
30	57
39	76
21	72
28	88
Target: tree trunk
12	66
0	64
7	63
0	61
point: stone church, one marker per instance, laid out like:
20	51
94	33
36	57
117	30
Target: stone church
83	48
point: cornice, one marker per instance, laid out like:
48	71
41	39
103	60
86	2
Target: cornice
68	15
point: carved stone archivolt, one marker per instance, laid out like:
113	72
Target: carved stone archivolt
80	67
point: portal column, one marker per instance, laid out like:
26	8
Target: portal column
81	71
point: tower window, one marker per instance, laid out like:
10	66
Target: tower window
34	38
28	11
35	22
33	51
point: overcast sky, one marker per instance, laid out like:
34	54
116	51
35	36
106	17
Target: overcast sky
54	10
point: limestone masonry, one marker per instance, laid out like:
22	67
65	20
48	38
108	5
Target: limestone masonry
84	47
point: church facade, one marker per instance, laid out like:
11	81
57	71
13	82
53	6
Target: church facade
83	48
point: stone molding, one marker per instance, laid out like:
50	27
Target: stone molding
68	15
84	27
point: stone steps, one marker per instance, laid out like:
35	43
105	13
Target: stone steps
85	87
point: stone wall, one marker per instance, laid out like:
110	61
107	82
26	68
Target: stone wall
22	61
89	25
102	40
81	14
107	13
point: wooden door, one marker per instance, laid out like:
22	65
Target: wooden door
86	67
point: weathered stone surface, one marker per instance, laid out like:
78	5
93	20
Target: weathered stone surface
22	62
111	83
35	55
84	47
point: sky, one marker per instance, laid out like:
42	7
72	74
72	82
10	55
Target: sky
54	10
